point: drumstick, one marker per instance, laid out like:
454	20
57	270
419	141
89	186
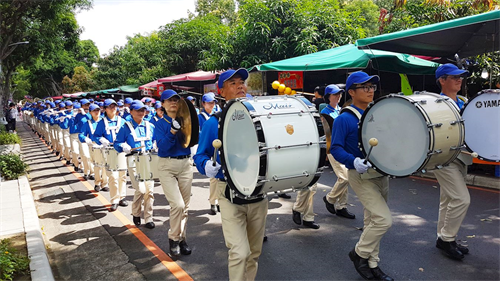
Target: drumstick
473	154
373	142
216	144
135	148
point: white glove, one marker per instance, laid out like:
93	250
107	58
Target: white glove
88	141
127	109
175	125
210	170
97	146
104	141
126	148
360	166
82	111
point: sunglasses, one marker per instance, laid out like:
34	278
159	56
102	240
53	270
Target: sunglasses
367	88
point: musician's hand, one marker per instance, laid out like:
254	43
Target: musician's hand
88	141
360	166
175	125
211	170
82	111
126	148
104	141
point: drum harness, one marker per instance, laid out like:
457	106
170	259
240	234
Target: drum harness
112	130
140	139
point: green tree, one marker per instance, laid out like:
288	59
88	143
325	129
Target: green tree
225	10
367	10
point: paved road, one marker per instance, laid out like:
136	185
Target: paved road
89	242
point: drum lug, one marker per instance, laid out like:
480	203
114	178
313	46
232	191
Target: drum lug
438	151
439	167
441	99
423	102
437	125
456	122
457	147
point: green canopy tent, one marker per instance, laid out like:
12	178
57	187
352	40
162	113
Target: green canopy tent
468	36
350	57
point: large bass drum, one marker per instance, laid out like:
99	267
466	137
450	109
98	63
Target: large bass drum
415	133
481	116
270	144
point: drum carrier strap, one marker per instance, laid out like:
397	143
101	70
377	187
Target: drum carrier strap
92	130
112	130
140	139
205	115
351	110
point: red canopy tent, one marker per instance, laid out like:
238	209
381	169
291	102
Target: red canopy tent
191	76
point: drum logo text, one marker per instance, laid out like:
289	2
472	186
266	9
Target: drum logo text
488	103
277	106
238	115
289	129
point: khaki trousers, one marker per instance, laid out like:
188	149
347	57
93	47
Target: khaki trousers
304	202
66	144
454	199
143	194
176	178
377	217
88	167
339	193
212	198
75	149
100	176
60	141
117	181
243	227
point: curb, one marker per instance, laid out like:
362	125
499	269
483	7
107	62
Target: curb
470	179
39	260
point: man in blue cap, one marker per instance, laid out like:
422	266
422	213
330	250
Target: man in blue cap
175	171
64	123
88	167
339	193
86	135
74	123
105	135
372	192
454	197
243	221
138	135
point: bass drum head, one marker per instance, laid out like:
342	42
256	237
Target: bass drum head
240	148
402	134
482	125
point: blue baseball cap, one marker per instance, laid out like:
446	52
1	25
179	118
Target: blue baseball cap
168	94
84	101
190	98
208	98
223	77
109	102
93	107
129	100
119	103
360	77
52	104
62	105
77	105
58	101
157	105
332	89
449	69
91	100
147	100
136	105
69	103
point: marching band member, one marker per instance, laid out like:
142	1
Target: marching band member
303	206
59	130
64	122
243	221
86	134
88	167
372	192
207	107
159	113
138	134
126	109
73	131
454	195
193	101
105	135
175	171
339	193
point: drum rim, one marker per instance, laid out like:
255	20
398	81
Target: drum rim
227	175
461	115
360	139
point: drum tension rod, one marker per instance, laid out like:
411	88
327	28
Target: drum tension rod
457	147
276	178
438	151
456	122
437	125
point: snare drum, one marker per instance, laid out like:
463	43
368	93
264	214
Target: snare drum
270	144
154	165
416	133
98	157
115	161
143	166
481	117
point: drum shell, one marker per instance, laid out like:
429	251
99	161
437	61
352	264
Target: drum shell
416	133
143	166
154	165
98	157
116	161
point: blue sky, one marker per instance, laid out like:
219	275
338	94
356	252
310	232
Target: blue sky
109	22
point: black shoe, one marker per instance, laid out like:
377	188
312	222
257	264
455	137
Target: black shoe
113	207
185	250
284	196
329	206
361	265
137	220
218	208
77	170
175	249
265	238
123	203
310	224
296	217
91	177
345	213
97	188
462	248
68	162
57	153
213	210
150	225
450	249
380	275
105	188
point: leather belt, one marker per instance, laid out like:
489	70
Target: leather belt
178	157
